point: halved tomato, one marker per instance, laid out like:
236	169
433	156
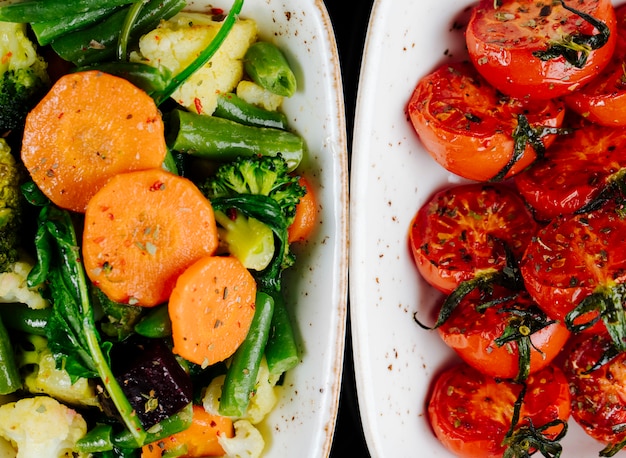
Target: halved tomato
466	230
575	170
488	328
474	131
575	268
598	390
541	50
471	412
603	100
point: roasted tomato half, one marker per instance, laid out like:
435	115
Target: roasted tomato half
473	130
541	50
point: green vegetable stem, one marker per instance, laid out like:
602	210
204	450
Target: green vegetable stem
99	42
33	11
267	66
242	373
223	140
231	106
9	375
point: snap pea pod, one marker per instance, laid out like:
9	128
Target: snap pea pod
9	376
98	43
22	318
281	351
242	373
220	139
47	31
33	11
265	63
231	106
155	324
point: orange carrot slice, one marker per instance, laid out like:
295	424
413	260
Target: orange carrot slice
201	438
142	230
211	309
88	128
306	215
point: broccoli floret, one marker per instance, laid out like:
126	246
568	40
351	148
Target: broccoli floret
23	76
265	176
10	207
257	175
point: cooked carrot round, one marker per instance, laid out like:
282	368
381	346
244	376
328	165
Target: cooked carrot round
211	309
142	230
88	128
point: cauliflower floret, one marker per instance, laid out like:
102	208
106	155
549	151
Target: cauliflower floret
256	95
43	377
246	443
41	427
175	43
13	287
262	403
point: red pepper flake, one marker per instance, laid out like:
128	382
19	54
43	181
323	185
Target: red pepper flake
198	104
157	186
217	11
6	57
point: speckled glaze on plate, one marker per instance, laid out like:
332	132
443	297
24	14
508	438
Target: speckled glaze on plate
391	177
303	422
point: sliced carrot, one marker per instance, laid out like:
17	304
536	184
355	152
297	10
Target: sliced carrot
89	127
211	309
142	230
306	215
200	439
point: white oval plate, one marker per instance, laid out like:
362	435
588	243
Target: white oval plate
391	177
303	423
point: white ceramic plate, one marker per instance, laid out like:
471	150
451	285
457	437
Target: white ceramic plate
391	177
303	423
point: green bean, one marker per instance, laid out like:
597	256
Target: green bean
231	106
98	43
155	324
146	77
48	31
218	139
268	67
9	376
165	428
33	11
281	351
98	439
244	368
22	318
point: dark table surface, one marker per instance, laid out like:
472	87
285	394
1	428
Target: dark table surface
350	26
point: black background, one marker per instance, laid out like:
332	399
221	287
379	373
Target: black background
350	26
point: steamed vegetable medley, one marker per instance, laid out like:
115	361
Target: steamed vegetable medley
150	195
528	250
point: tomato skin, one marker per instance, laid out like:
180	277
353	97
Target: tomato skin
603	100
467	126
459	232
501	44
572	256
574	170
470	412
472	334
598	397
